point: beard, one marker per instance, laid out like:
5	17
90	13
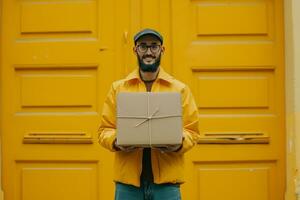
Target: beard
149	67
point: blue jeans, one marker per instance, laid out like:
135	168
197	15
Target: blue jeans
147	191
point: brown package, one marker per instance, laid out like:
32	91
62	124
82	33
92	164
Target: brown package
149	118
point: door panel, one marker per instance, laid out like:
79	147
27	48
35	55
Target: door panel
235	180
57	68
64	180
230	53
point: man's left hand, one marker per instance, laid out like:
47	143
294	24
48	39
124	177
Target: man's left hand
169	148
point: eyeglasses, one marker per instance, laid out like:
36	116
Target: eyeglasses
143	48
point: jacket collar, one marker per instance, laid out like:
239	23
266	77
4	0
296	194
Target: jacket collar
162	75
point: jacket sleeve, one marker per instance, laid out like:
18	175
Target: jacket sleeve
107	128
190	121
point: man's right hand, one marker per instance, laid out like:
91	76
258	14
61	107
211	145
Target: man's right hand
124	148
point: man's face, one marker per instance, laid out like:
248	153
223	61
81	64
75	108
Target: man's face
148	50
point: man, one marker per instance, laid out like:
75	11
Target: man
149	173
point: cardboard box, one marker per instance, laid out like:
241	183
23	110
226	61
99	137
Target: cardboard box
149	118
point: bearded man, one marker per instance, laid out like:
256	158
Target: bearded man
149	173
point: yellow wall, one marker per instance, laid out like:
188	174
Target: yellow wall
296	8
1	192
292	45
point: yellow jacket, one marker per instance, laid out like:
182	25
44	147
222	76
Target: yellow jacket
166	167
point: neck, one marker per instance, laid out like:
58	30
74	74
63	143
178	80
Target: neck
149	76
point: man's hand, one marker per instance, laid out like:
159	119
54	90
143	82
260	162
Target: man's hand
124	148
169	148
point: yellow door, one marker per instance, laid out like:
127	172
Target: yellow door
57	66
231	54
60	57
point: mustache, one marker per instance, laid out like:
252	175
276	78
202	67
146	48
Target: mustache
148	56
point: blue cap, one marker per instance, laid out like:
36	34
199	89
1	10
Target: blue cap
148	31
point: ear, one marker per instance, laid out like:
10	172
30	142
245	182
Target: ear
134	49
163	49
